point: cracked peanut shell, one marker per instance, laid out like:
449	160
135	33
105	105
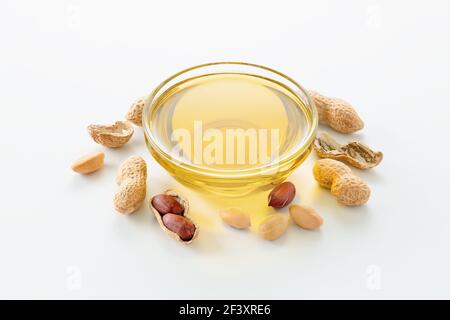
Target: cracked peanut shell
171	231
112	136
354	153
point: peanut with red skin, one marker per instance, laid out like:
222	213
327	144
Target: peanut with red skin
178	226
167	204
282	195
183	227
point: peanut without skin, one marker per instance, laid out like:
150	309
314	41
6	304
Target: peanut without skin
89	163
273	226
132	181
336	113
349	189
305	217
236	218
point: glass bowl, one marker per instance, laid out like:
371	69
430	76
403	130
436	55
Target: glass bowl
229	128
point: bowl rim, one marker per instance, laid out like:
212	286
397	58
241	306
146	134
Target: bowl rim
299	150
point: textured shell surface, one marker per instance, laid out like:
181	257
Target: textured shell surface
132	180
337	113
134	115
129	197
354	153
132	168
112	136
343	118
325	170
350	190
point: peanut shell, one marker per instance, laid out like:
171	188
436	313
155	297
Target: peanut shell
134	115
326	170
159	218
132	181
336	113
354	153
112	136
350	190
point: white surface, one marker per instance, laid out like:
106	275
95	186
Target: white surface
66	64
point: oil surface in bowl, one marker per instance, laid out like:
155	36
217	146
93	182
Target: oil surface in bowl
227	124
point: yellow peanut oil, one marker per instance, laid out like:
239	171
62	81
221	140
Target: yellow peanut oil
229	133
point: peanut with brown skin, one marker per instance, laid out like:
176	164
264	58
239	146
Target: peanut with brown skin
349	189
282	195
167	204
183	227
89	163
336	113
132	181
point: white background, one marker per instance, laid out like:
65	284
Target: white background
66	64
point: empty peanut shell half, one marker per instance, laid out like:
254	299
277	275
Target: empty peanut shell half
177	225
112	136
354	153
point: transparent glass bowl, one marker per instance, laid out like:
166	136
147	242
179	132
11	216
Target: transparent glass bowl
229	182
